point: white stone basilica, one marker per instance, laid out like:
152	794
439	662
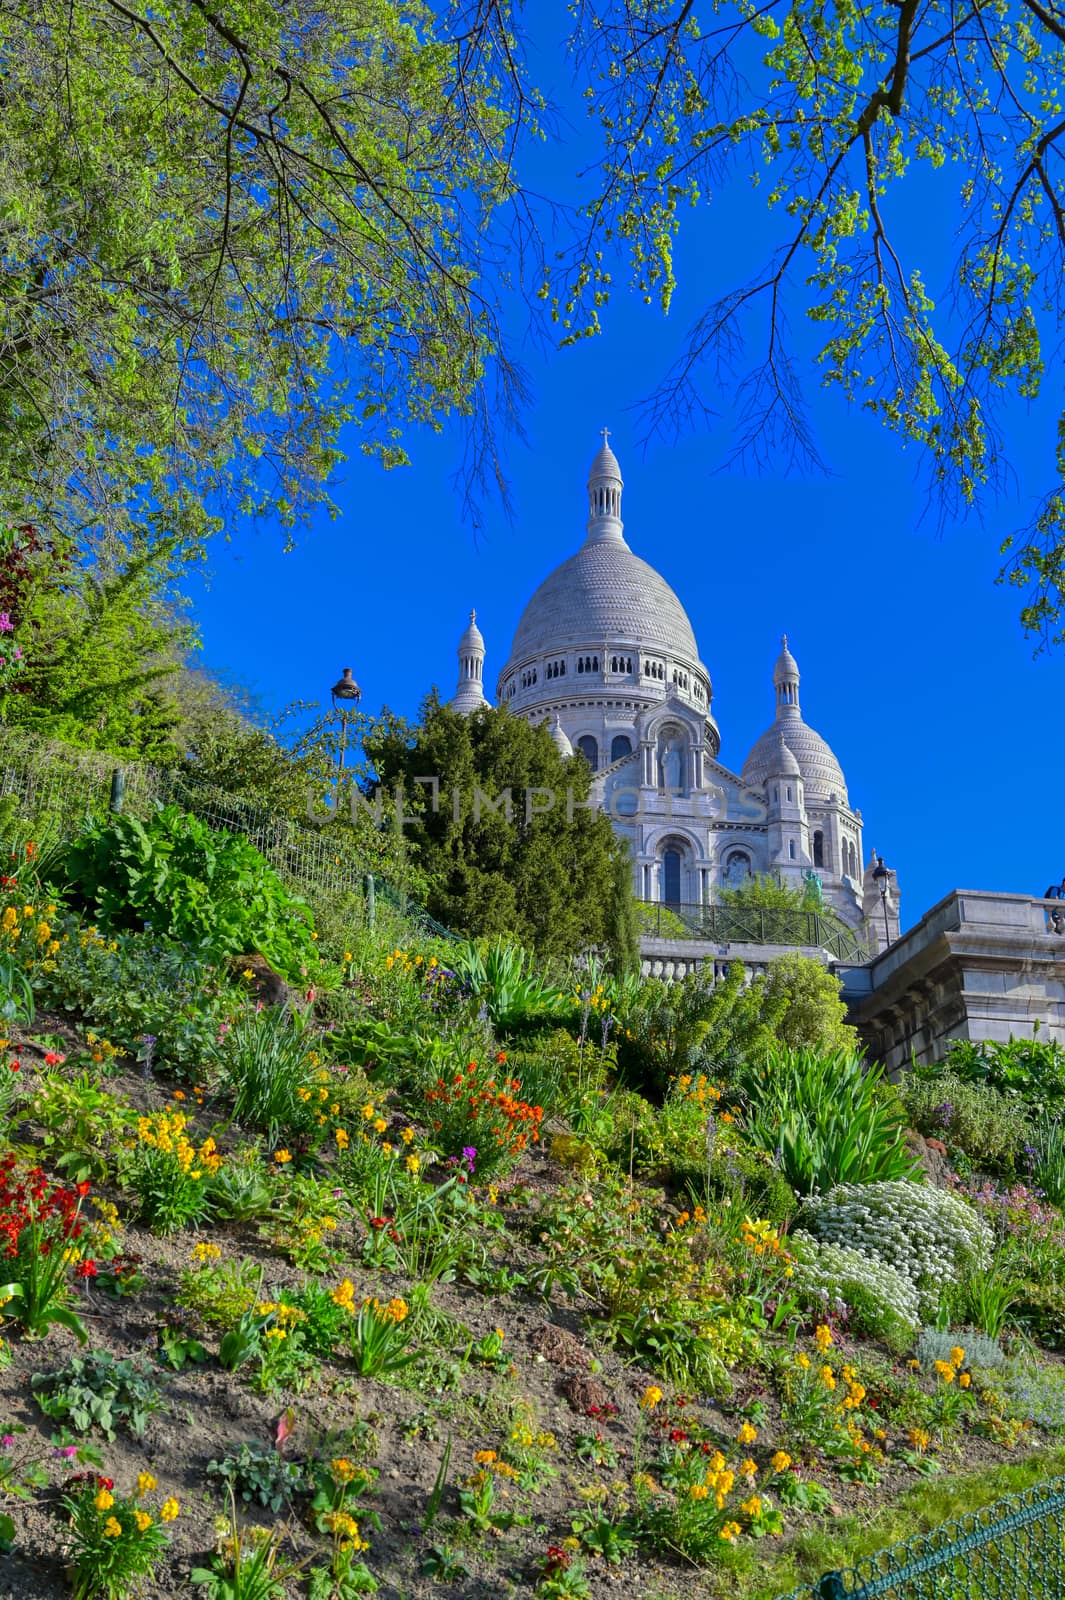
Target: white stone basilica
605	655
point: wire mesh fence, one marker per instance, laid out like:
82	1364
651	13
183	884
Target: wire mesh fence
70	788
1011	1550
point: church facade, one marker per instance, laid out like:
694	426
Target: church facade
605	656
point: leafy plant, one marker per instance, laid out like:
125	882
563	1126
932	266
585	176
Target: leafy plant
989	1128
99	1390
828	1117
41	1222
211	891
244	1566
1032	1070
1047	1155
114	1541
82	1124
169	1174
502	977
16	993
261	1476
267	1062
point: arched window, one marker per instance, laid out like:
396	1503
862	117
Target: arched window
620	746
791	849
854	860
819	849
671	877
589	750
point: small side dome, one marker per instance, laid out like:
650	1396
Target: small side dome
780	761
561	738
473	638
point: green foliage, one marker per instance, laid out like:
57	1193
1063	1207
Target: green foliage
1031	1070
668	1029
988	1128
802	999
145	989
982	1352
98	1390
211	891
267	1064
766	892
504	979
1048	1160
114	1544
16	994
82	1126
829	1118
544	878
261	1476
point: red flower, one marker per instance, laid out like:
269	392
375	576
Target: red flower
14	1066
52	1059
83	1188
85	1269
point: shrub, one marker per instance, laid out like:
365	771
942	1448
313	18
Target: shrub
1036	1394
1033	1070
1047	1154
261	1476
211	891
40	1223
989	1128
882	1301
828	1118
931	1237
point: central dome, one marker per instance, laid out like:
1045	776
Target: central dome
604	593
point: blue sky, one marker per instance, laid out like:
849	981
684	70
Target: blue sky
913	665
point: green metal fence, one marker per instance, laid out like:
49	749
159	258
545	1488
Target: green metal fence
72	787
1011	1550
749	925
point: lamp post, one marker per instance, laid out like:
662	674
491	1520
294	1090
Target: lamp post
346	696
882	879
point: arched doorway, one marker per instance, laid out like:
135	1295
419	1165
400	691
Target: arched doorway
671	860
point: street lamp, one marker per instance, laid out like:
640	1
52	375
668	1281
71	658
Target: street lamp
882	879
346	696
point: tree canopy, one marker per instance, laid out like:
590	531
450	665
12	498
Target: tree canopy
232	229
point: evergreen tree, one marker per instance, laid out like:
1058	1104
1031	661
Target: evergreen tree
510	846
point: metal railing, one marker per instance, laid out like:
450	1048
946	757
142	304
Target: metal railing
1011	1550
72	787
749	925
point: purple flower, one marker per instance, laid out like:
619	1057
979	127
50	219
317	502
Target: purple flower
6	624
469	1155
68	1452
7	1442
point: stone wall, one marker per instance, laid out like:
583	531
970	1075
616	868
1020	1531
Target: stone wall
977	966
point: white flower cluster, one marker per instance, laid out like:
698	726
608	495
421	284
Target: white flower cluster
929	1235
847	1280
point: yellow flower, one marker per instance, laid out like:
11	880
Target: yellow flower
380	1125
964	1380
802	1360
247	973
407	1135
919	1438
169	1509
957	1356
751	1507
282	1156
413	1163
104	1500
397	1309
747	1434
145	1482
828	1377
112	1528
368	1113
823	1338
730	1531
652	1396
698	1491
342	1469
485	1458
342	1138
945	1371
780	1461
144	1521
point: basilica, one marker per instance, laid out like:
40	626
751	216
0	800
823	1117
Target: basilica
605	655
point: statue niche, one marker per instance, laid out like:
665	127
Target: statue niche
672	753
